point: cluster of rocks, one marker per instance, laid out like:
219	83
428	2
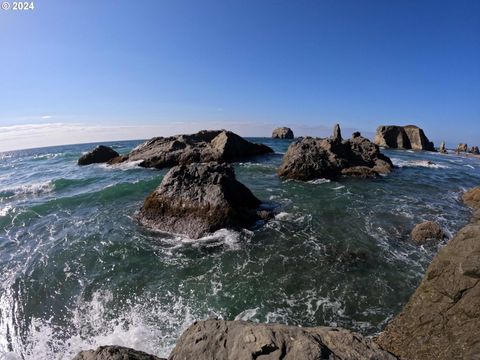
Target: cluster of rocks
282	133
463	148
402	137
312	158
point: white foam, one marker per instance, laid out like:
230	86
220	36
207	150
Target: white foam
30	189
247	314
418	163
127	165
319	181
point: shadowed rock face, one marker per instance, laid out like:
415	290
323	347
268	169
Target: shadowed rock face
313	158
204	146
198	199
240	340
114	353
474	150
101	154
282	133
402	137
442	318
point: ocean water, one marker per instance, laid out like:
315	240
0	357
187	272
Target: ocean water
77	271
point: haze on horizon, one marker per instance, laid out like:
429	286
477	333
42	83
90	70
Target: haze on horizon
88	71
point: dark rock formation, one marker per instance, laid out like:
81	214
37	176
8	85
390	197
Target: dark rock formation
442	149
240	340
101	154
356	134
114	353
198	199
402	137
426	230
313	158
204	146
442	318
337	133
282	133
462	148
474	150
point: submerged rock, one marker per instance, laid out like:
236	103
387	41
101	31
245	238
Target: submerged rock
101	154
426	230
442	318
402	137
240	340
442	149
204	146
313	158
282	133
198	199
462	148
114	353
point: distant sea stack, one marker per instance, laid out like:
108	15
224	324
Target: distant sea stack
402	137
462	148
101	154
474	150
205	146
282	133
442	149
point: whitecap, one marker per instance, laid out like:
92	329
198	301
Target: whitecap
319	181
247	314
418	163
28	189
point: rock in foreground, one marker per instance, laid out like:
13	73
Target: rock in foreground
282	133
101	154
313	158
114	353
402	137
442	318
198	199
427	230
240	340
204	146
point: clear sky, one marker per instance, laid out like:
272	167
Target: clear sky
90	70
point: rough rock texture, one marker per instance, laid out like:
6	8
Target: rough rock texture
198	199
442	149
474	150
313	158
402	137
204	146
337	133
442	318
101	154
462	148
114	353
426	230
240	340
282	133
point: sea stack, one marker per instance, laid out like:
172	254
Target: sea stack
474	150
402	137
442	149
462	148
282	133
101	154
198	199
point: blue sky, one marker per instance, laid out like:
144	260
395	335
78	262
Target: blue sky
91	70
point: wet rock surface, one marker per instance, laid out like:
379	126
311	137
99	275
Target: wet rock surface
282	133
114	353
402	137
204	146
198	199
101	154
427	230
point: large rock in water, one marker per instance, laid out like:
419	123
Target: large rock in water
240	340
101	154
442	318
442	149
402	137
114	353
313	158
474	150
462	148
198	199
204	146
282	133
427	230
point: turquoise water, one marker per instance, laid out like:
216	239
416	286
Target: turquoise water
77	271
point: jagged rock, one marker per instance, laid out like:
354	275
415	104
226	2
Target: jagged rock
198	199
240	340
204	146
337	133
442	318
442	149
114	353
356	134
282	133
402	137
462	148
426	230
474	150
313	158
101	154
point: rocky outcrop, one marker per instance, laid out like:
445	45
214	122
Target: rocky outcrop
462	148
402	137
442	318
474	150
282	133
101	154
240	340
442	149
204	146
198	199
312	158
114	353
427	230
